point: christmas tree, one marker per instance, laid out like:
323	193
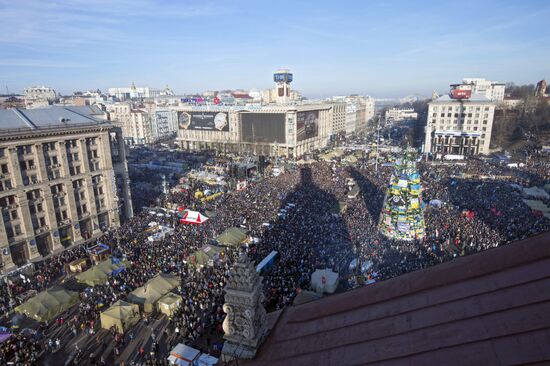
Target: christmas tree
403	215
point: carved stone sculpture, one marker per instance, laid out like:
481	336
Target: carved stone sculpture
245	322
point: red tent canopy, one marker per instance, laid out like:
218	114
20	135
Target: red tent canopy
193	217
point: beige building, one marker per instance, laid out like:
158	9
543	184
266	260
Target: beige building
277	130
63	180
459	126
338	118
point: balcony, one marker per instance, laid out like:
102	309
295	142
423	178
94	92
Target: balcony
64	222
41	230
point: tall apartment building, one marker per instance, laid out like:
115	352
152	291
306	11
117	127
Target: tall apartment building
359	111
492	90
459	123
63	180
338	118
165	123
400	114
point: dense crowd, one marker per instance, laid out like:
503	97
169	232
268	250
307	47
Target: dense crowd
320	227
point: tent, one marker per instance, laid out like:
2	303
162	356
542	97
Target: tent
232	237
122	315
97	275
147	295
324	280
193	217
205	255
48	304
169	303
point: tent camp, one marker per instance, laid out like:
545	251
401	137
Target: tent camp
48	304
324	280
193	217
232	237
206	255
183	355
169	303
122	315
97	275
147	295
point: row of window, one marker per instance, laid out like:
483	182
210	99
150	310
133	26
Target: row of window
458	108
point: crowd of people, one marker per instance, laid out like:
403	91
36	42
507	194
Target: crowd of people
319	227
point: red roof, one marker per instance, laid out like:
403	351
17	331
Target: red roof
491	308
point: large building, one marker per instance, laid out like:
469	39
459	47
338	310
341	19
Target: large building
492	90
143	125
63	180
400	114
278	130
359	111
459	123
39	96
134	92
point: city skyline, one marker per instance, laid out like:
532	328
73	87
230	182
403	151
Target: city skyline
332	48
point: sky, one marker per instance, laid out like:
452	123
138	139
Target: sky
383	48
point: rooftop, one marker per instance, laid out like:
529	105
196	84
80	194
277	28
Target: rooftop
17	119
491	308
475	98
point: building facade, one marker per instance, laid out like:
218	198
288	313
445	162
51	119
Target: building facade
400	114
165	123
460	126
39	96
278	130
63	181
492	90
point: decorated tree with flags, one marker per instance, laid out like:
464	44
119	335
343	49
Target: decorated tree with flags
403	215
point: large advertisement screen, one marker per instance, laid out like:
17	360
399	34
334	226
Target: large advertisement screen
307	125
263	127
207	121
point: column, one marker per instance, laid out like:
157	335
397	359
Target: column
26	222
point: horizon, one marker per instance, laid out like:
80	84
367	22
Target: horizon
332	49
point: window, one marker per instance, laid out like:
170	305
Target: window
17	229
484	121
14	214
478	109
475	128
484	129
486	109
5	169
442	114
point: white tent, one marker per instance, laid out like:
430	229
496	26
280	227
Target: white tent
324	280
193	217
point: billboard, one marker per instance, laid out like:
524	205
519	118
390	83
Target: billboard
307	125
206	121
263	127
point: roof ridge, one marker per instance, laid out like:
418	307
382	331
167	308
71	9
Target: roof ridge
24	118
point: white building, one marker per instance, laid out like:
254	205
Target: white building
39	96
401	114
134	92
136	123
359	111
165	123
274	130
460	126
493	90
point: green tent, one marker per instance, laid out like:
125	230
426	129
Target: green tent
232	237
48	304
122	315
147	295
97	275
205	254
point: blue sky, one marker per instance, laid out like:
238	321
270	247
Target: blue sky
383	48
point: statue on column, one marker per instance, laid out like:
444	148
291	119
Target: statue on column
245	324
